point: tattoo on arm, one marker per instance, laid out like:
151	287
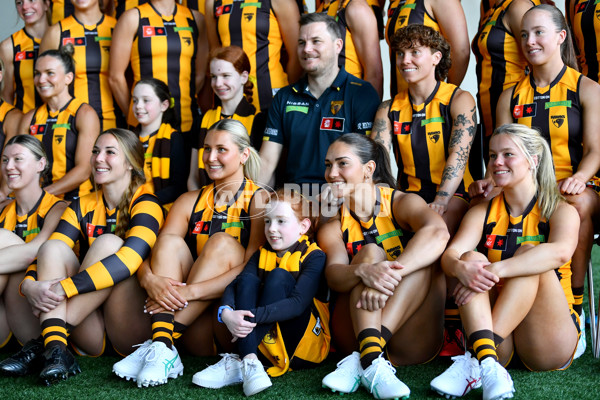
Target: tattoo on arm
442	193
385	104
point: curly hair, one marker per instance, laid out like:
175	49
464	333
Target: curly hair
420	35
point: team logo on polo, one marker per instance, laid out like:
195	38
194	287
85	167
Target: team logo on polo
75	41
336	106
434	136
525	110
495	242
24	55
201	228
332	124
558	120
402	128
150	31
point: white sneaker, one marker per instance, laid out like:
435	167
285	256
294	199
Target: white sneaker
130	366
226	372
160	364
380	380
255	377
346	377
497	383
458	380
582	343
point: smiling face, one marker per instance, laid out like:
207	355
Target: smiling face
49	77
109	164
344	169
508	164
318	50
31	11
417	63
147	107
226	81
20	167
540	37
282	227
83	5
222	157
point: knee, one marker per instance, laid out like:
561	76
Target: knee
584	203
170	244
279	278
473	256
107	243
370	254
221	242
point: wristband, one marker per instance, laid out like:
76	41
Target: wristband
221	311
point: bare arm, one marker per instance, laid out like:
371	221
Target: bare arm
503	112
8	74
88	128
340	274
270	153
464	126
363	26
201	52
514	16
288	18
453	24
211	24
25	123
12	123
382	126
51	39
18	257
122	41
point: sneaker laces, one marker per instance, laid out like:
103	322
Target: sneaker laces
153	353
385	371
226	359
460	363
493	372
144	347
346	363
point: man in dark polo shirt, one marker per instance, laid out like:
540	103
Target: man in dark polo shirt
306	117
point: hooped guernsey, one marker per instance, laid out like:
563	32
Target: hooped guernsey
556	111
25	54
421	137
58	133
381	229
499	66
232	218
253	26
88	218
305	261
92	53
400	14
164	48
503	234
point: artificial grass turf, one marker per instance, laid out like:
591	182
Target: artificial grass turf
580	381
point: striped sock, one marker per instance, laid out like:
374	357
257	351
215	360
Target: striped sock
54	332
162	328
369	342
483	344
178	329
578	297
386	335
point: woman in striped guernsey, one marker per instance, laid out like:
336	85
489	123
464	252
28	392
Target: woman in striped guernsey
209	234
26	222
164	158
115	227
380	251
563	105
19	52
514	294
66	126
90	33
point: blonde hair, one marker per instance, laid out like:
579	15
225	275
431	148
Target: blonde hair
532	144
133	151
239	135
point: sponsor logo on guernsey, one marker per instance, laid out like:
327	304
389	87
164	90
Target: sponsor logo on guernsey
536	238
495	242
151	31
24	55
37	129
201	228
525	110
354	247
579	8
402	128
332	124
95	230
75	41
222	10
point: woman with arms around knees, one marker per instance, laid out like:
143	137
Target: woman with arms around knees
19	53
430	125
563	105
164	159
209	235
25	224
514	294
66	126
379	256
229	79
90	33
280	298
116	227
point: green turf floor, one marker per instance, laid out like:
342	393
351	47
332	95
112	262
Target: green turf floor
580	381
